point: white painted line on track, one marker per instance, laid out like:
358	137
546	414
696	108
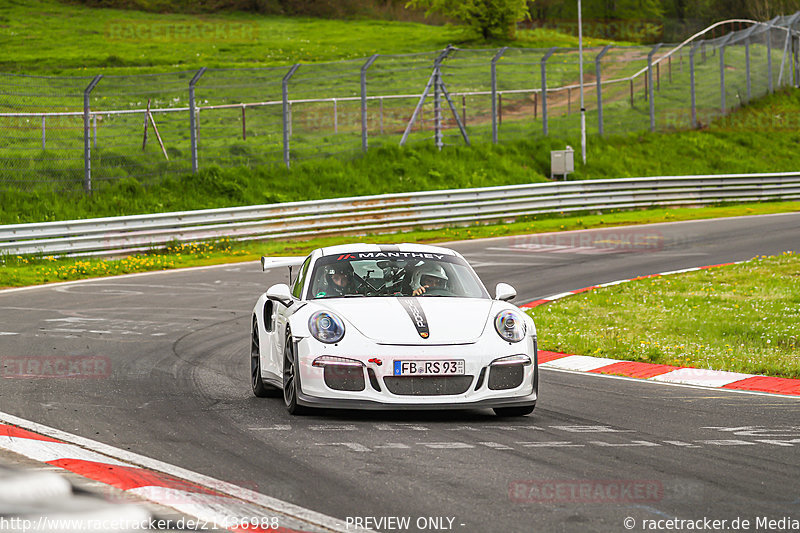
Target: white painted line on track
124	276
559	295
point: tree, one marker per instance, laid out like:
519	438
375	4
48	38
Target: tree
489	18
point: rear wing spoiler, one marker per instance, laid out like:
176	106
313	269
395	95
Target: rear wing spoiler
268	263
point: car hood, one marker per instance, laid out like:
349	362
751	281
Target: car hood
425	320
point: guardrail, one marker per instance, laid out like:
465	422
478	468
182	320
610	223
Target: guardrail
387	213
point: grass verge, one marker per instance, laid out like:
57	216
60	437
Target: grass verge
739	318
18	271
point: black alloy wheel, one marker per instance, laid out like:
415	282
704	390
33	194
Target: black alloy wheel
290	379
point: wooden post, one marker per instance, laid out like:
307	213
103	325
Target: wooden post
155	129
669	64
631	92
535	104
244	124
146	116
500	108
569	100
658	76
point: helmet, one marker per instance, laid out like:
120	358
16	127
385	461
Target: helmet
429	275
344	268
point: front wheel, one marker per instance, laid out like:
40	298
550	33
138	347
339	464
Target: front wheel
291	384
514	411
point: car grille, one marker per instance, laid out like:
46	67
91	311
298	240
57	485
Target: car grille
505	376
427	385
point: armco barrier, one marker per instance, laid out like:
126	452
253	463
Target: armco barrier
388	213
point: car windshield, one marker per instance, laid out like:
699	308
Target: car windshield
379	274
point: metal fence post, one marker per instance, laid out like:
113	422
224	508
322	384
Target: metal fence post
543	65
650	86
692	88
769	53
335	116
87	146
795	45
193	117
744	35
434	80
722	73
797	62
364	69
747	67
495	59
437	107
600	87
286	111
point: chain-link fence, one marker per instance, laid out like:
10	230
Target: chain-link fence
80	132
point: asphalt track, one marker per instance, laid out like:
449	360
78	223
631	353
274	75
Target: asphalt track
596	451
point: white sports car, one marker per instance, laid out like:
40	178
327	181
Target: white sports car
392	327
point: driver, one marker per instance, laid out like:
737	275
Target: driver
429	276
341	279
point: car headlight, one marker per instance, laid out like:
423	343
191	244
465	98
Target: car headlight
326	327
510	326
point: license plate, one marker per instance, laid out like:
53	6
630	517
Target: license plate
429	368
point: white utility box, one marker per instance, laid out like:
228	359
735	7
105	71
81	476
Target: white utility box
562	162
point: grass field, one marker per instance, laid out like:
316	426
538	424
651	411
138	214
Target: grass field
52	37
739	318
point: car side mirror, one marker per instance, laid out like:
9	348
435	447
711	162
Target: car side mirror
280	293
504	292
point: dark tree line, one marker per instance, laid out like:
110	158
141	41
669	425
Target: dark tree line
674	19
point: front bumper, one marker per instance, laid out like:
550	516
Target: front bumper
314	392
334	403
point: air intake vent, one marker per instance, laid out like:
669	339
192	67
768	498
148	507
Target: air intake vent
346	378
428	385
503	377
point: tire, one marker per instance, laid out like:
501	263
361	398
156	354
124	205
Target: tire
514	411
291	379
260	389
